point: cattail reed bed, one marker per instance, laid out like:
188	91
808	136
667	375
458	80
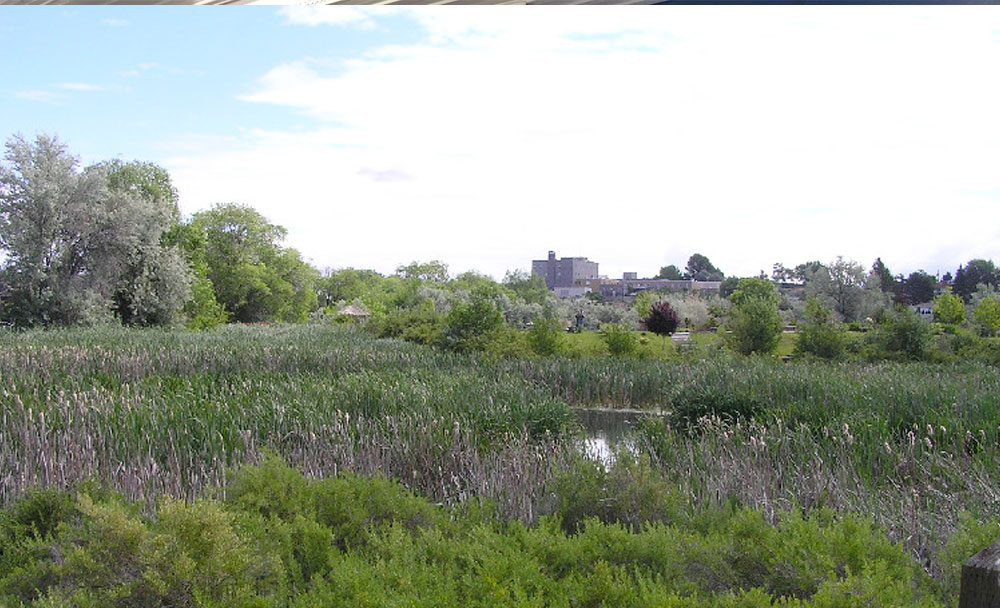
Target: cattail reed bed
155	412
167	412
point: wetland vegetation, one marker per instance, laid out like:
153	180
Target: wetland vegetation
802	483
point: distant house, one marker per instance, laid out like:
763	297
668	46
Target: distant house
925	310
355	313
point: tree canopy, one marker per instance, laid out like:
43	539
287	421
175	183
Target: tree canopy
974	273
255	278
83	245
700	268
670	272
662	319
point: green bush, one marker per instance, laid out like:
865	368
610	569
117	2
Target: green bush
971	537
949	309
754	325
546	337
620	339
420	325
818	334
620	536
731	403
903	336
470	327
347	505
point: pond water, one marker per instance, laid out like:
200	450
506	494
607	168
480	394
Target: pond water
608	429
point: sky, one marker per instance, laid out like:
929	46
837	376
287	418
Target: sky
486	136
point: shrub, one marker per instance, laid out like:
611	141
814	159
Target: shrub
819	335
621	340
422	325
728	402
949	309
630	492
662	319
754	326
986	315
545	337
903	336
468	326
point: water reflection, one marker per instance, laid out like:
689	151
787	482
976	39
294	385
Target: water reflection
607	430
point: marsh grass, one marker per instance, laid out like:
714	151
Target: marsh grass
157	412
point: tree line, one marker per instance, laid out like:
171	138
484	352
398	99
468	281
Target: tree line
107	243
87	245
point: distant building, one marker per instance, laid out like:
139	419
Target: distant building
567	277
924	309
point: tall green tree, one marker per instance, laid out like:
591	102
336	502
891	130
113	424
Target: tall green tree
700	268
155	279
974	273
886	281
949	309
754	288
434	271
255	278
202	310
643	303
471	326
919	287
847	288
670	272
804	273
754	324
529	287
986	315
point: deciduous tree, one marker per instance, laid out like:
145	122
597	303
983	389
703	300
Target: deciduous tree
949	309
818	334
919	287
255	278
754	324
670	272
82	245
662	319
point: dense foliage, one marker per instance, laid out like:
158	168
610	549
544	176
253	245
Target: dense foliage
755	324
662	319
82	245
280	539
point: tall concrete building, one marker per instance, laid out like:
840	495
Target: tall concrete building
566	273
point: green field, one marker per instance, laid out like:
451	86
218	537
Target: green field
745	446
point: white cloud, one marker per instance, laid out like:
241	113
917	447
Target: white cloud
115	22
633	137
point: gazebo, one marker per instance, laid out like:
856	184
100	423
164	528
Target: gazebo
355	313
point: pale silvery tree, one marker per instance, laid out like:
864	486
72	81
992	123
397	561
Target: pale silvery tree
78	250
